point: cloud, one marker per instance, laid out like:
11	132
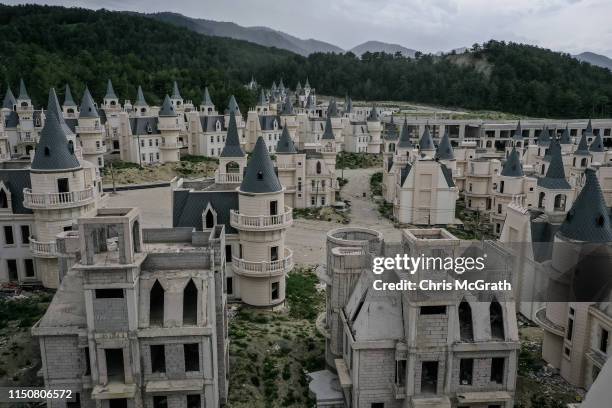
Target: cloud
428	25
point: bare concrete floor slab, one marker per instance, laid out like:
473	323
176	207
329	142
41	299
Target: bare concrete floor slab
305	237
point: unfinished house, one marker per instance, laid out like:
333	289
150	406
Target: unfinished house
139	319
393	349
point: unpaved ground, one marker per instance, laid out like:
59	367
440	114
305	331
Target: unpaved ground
306	237
271	352
162	172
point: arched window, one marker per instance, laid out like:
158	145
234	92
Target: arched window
496	317
560	202
3	199
190	304
466	327
209	219
156	305
583	162
543	169
574	163
541	200
392	147
71	146
318	167
136	236
501	186
232	167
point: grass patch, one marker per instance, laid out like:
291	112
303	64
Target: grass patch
346	160
198	159
385	209
303	298
376	183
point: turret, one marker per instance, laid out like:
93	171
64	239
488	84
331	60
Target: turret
543	142
554	193
566	141
110	101
262	220
69	107
207	107
597	148
390	137
141	107
169	128
9	102
445	153
262	106
24	103
91	131
581	157
176	99
374	129
232	160
404	146
426	145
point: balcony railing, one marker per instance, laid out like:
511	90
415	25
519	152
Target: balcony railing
89	129
228	178
172	126
265	268
94	150
57	200
43	249
261	222
285	165
328	149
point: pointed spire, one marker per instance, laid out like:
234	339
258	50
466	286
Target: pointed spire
88	107
68	99
404	140
565	137
518	132
9	101
175	91
332	109
588	219
274	86
328	133
110	91
390	130
167	109
260	176
512	166
555	175
281	86
597	144
583	147
140	99
262	98
285	145
233	105
232	141
298	87
307	84
589	129
348	104
544	138
23	92
287	107
310	102
206	101
426	142
445	148
53	151
373	116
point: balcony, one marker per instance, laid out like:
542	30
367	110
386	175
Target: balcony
89	129
542	320
265	268
172	126
328	149
43	249
286	165
261	222
228	178
57	200
94	150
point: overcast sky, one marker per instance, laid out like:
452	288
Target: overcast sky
428	25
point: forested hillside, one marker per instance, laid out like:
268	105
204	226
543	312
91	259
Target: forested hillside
49	46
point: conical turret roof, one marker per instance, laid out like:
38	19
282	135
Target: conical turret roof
287	107
232	141
404	140
175	91
512	166
544	138
390	130
285	145
260	176
23	92
232	106
9	99
555	175
348	104
588	219
310	102
206	101
307	84
167	109
262	98
68	99
583	147
140	99
53	151
565	137
328	133
88	107
110	91
426	142
373	116
518	132
332	109
445	148
597	144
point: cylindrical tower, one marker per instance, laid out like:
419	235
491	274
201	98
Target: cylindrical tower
262	221
91	131
169	128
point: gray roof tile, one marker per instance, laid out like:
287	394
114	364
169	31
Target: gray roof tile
188	207
445	148
167	109
373	116
390	130
426	142
405	171
404	139
583	147
16	180
597	144
588	219
332	109
144	126
206	101
565	137
175	91
88	107
53	151
9	101
260	175
555	175
544	137
140	99
512	166
232	141
232	106
23	92
518	132
285	144
328	133
110	91
448	175
68	99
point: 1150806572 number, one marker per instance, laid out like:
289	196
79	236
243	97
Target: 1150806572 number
38	394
